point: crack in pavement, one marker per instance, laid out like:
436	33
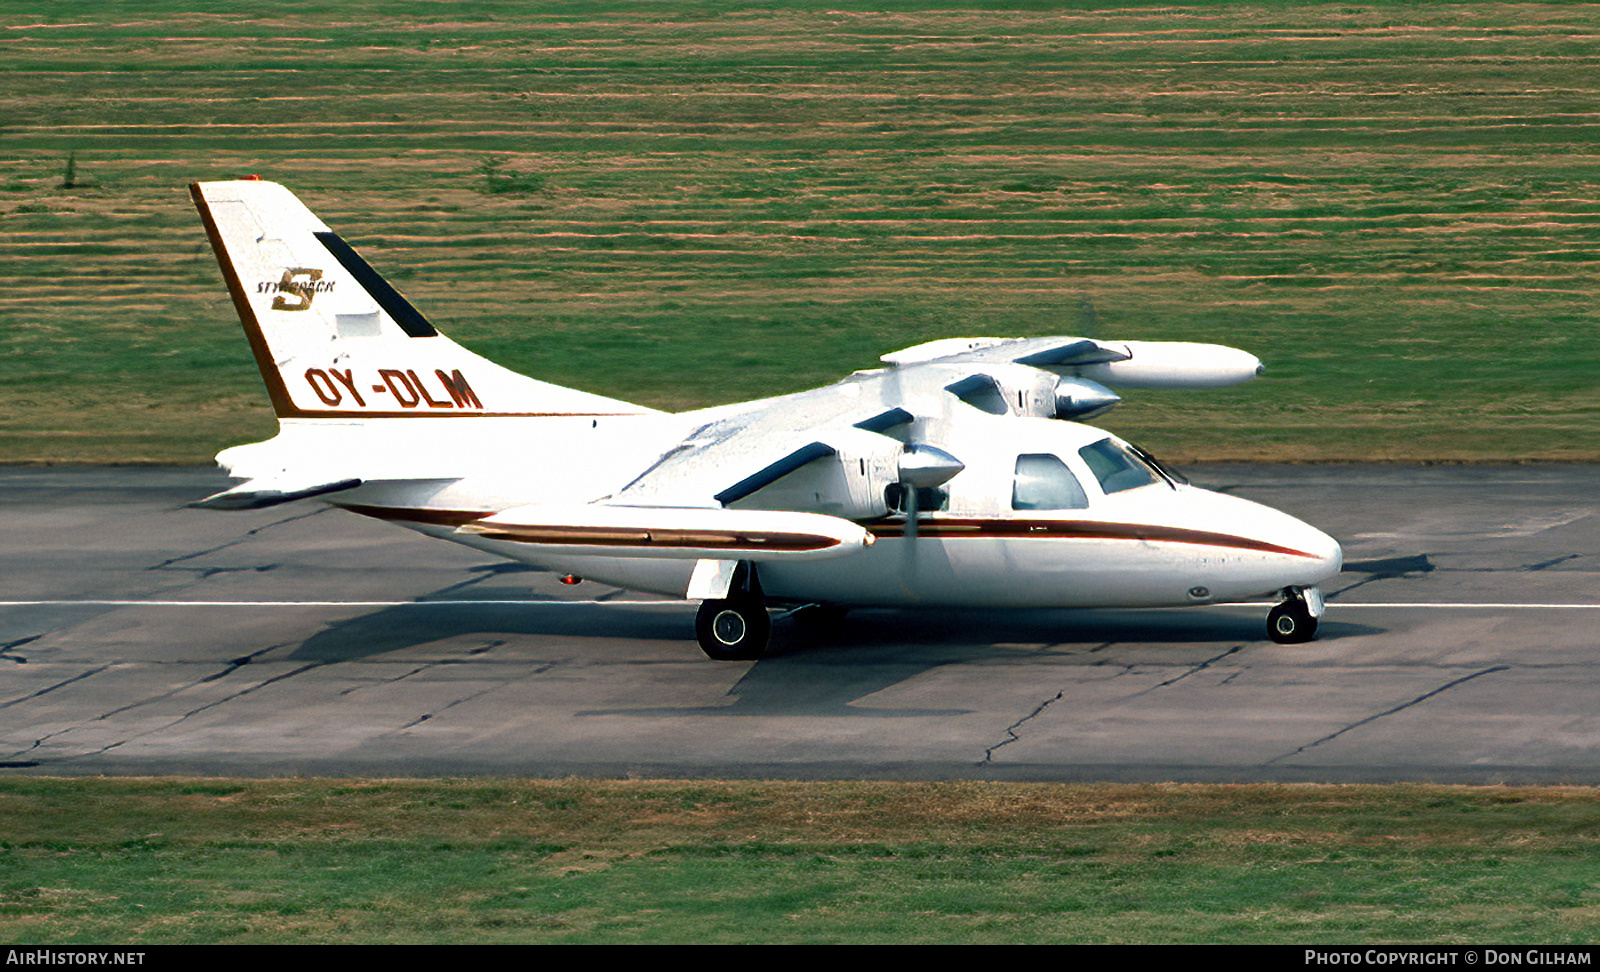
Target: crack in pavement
237	664
5	649
1530	568
171	562
51	688
231	667
1197	669
388	681
195	711
1389	712
419	720
1011	730
482	649
1192	670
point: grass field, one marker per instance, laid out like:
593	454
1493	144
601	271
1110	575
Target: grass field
140	862
678	203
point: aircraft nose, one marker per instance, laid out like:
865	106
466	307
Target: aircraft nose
1319	556
1308	557
1330	556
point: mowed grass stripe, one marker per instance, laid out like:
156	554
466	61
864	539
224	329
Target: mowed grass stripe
1325	186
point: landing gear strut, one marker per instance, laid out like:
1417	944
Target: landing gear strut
1294	620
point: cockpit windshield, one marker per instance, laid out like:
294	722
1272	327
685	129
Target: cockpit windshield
1167	472
1117	468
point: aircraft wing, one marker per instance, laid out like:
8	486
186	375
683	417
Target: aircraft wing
736	453
1134	364
1040	352
680	506
674	533
826	450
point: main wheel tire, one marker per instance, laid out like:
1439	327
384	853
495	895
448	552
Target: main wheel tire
734	629
1290	623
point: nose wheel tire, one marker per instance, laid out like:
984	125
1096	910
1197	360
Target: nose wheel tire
733	629
1291	623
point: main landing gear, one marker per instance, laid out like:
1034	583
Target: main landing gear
733	628
1294	620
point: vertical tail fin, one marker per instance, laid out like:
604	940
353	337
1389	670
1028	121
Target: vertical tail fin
334	340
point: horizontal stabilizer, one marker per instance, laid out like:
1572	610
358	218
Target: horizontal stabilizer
259	493
676	533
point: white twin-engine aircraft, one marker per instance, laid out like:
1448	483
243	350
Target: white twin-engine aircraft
957	475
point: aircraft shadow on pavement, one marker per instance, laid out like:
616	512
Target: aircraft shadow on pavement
816	666
990	629
623	630
414	625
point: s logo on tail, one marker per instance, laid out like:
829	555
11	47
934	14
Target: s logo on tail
295	291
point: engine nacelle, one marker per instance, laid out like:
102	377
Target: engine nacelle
1023	390
844	477
1173	364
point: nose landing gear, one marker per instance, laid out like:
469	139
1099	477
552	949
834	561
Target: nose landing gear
1294	620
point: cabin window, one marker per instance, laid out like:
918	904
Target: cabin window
1115	467
1043	482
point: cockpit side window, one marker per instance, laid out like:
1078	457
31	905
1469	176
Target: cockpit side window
1043	482
1115	468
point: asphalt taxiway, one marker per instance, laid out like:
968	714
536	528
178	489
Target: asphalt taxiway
141	637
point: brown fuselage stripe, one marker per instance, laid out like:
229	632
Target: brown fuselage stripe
942	529
732	540
582	536
955	529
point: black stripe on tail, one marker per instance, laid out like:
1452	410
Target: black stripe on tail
394	304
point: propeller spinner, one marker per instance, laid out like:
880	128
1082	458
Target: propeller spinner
924	467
